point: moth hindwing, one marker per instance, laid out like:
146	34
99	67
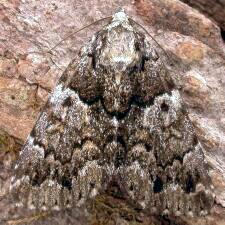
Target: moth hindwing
115	114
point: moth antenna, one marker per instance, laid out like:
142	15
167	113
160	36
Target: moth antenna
68	36
55	63
71	34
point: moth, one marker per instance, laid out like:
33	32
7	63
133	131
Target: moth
115	115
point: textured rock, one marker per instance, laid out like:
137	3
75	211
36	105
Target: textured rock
215	9
27	74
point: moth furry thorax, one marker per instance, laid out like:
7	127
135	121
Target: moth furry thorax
115	114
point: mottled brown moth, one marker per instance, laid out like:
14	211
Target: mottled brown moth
115	114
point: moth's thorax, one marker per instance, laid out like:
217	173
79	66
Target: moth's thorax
118	56
119	52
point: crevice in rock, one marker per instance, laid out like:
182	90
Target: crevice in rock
222	32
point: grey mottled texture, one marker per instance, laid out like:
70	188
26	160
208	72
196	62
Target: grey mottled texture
115	117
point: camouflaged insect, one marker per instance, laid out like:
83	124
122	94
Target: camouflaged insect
115	114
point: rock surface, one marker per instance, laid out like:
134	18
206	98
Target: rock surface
27	75
213	8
